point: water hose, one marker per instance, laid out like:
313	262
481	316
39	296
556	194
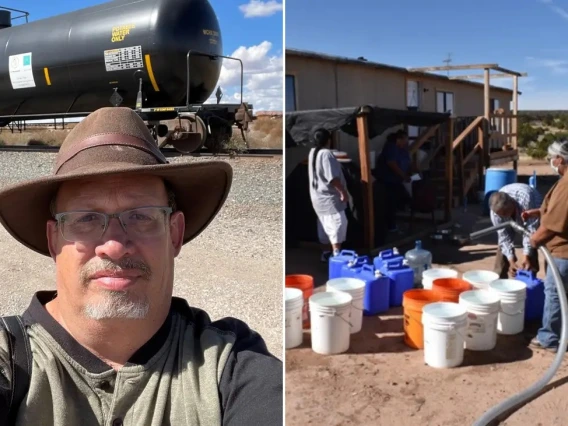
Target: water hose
522	397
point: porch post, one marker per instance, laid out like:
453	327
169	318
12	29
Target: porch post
367	186
487	116
514	123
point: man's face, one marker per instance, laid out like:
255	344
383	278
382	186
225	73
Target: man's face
118	275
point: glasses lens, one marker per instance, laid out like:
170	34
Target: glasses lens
82	226
144	222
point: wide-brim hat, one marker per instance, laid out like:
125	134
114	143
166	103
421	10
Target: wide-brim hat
111	141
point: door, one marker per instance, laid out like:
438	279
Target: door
413	101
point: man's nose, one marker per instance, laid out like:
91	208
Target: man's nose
115	242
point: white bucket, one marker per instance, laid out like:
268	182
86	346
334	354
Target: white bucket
294	305
513	294
429	275
480	279
356	288
445	324
482	310
330	322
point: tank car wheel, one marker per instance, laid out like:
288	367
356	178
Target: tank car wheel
190	135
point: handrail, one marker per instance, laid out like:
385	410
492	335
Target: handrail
25	14
423	138
465	133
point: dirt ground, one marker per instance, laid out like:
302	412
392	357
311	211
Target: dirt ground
381	381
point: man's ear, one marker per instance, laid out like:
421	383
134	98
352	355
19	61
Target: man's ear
177	230
51	233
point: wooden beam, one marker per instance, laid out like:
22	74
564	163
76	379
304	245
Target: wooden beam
472	154
486	94
466	132
506	71
454	67
430	131
449	173
366	183
480	76
514	122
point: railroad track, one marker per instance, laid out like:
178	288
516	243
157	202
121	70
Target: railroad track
167	151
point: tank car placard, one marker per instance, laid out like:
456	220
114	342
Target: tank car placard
20	69
125	58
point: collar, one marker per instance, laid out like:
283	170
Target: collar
37	314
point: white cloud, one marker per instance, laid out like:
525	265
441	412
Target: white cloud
556	66
263	74
556	9
260	9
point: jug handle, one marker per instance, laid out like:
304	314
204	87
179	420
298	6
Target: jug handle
347	252
361	260
367	267
525	273
386	253
394	265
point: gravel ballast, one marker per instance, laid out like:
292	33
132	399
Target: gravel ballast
234	268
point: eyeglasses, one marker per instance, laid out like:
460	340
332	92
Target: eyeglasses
86	226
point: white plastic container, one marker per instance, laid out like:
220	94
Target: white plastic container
482	311
445	324
513	294
480	279
356	288
330	322
429	275
294	306
418	260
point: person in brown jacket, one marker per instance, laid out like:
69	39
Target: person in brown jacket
553	232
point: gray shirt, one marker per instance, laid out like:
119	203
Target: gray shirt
193	371
325	197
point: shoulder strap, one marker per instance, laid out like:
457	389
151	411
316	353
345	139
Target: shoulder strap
21	357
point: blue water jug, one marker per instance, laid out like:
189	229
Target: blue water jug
401	279
337	262
386	256
352	268
532	180
377	290
534	304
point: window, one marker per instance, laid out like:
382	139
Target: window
445	102
493	105
290	93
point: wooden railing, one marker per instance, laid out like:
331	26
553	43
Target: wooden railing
475	143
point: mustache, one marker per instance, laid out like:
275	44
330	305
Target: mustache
97	264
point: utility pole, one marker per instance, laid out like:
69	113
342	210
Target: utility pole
447	62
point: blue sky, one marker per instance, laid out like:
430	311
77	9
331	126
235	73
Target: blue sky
251	30
524	35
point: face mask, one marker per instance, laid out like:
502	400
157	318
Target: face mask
555	168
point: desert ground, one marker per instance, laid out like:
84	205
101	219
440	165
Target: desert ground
264	132
234	268
381	381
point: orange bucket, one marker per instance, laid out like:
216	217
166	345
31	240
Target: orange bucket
306	284
449	289
412	303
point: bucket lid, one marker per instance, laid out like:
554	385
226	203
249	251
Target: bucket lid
331	299
508	285
439	273
480	276
346	284
480	297
291	293
444	310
